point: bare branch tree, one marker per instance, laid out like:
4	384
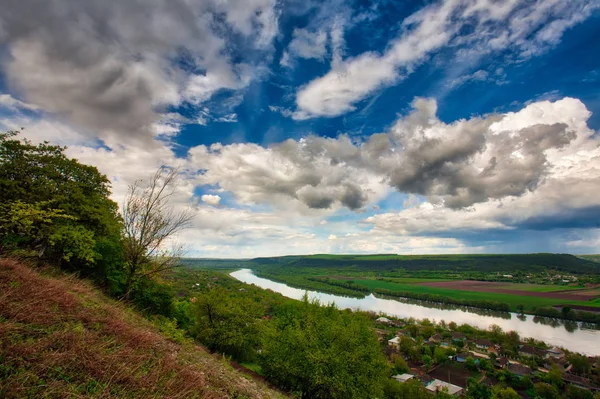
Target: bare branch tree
149	220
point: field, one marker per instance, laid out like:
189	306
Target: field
478	290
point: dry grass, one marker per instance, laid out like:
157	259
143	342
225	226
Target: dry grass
61	338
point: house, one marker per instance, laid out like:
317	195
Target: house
437	338
530	351
555	353
403	377
562	364
579	382
458	336
484	344
383	320
519	369
394	342
501	362
438	385
462	357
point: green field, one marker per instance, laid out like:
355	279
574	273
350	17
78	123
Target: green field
513	300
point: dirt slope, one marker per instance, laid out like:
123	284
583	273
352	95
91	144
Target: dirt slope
60	337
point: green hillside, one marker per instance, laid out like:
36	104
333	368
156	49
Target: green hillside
482	263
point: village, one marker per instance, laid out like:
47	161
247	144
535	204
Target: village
454	359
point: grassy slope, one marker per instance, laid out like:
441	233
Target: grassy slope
60	337
513	300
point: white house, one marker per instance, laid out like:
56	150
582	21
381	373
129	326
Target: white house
395	342
403	377
438	385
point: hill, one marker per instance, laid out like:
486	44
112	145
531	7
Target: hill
483	263
60	337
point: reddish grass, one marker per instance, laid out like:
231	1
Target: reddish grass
487	286
59	337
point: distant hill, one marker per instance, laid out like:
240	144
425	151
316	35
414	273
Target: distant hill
60	338
484	263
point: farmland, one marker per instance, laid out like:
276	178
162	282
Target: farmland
529	299
533	283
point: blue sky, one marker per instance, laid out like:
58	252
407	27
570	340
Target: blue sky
446	126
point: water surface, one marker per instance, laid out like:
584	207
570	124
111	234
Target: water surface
578	339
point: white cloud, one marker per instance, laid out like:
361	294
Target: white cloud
305	44
496	25
9	102
210	199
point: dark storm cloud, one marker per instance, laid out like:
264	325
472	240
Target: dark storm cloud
111	66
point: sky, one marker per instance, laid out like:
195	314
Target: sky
300	126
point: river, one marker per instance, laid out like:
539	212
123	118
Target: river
579	339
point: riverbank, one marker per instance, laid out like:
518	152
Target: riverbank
581	339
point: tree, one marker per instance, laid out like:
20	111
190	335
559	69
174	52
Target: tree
149	220
477	390
581	364
470	364
505	393
546	391
574	392
554	376
427	361
227	324
412	389
400	365
56	208
322	352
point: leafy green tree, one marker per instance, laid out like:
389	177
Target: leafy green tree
574	392
546	391
554	376
427	361
227	324
485	365
505	393
412	389
322	352
477	390
55	207
470	364
581	364
400	365
439	355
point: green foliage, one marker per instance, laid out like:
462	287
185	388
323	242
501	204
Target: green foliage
322	352
412	389
477	390
574	392
546	391
470	364
581	364
54	207
227	324
505	393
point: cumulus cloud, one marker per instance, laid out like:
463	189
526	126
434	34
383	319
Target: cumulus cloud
210	199
529	29
305	174
113	68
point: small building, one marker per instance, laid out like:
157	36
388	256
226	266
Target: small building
394	342
484	344
403	377
530	351
462	357
501	362
437	338
519	369
383	320
458	336
555	353
439	386
579	382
